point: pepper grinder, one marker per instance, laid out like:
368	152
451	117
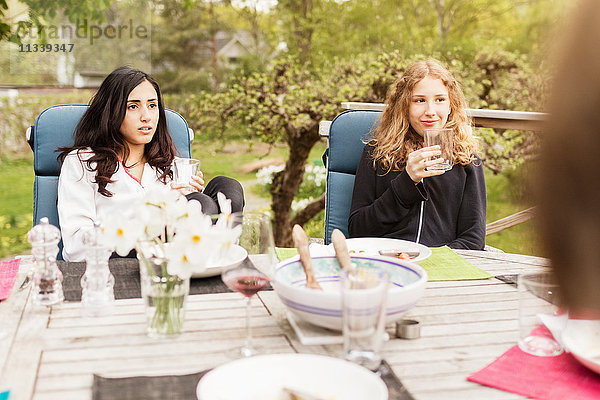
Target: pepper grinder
97	283
47	278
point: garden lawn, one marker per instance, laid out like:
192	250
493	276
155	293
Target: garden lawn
16	205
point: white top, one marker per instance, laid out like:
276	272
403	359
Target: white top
80	204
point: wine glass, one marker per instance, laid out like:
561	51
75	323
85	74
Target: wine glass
251	275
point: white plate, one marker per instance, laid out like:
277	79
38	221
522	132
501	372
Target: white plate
369	246
236	255
582	339
264	377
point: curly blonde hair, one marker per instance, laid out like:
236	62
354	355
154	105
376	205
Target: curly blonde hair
394	138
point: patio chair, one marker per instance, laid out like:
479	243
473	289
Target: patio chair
54	128
347	134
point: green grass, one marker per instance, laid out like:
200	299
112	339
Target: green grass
16	202
504	193
16	205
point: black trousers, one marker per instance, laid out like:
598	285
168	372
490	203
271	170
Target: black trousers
231	188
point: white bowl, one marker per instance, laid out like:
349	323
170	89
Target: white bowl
582	339
323	308
234	256
264	377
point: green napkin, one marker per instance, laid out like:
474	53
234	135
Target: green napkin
283	253
445	265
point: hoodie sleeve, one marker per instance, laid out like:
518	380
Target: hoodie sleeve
372	214
471	216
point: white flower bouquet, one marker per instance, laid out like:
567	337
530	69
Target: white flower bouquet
173	240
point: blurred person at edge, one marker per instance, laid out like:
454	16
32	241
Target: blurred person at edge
568	182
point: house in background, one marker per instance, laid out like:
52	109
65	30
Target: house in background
230	48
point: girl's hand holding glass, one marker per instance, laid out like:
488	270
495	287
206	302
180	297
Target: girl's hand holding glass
196	184
418	161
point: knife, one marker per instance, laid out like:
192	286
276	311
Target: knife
396	253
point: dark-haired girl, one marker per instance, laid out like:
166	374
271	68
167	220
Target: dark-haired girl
122	148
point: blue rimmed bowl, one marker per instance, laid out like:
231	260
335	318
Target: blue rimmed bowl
324	308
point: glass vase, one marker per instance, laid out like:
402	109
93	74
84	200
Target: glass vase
164	297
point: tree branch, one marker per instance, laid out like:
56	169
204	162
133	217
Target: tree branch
308	212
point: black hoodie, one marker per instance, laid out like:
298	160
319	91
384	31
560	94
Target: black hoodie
448	209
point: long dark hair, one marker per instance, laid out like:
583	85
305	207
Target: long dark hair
99	129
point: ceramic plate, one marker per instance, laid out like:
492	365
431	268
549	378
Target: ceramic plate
264	377
582	339
372	246
236	255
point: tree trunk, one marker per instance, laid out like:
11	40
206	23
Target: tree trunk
302	27
286	183
439	9
213	47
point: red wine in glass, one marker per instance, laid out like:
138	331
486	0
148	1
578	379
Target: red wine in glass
248	281
248	285
251	275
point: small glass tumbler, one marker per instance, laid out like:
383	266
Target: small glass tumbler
364	294
444	139
184	169
539	298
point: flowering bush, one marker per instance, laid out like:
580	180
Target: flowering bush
313	184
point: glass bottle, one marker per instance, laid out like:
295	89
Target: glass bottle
97	283
47	278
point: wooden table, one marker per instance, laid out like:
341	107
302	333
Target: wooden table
52	353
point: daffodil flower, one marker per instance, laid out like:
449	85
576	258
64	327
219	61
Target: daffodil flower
169	227
121	233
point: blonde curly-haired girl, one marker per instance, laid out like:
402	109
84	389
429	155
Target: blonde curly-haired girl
396	194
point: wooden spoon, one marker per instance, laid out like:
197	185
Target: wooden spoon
341	249
301	243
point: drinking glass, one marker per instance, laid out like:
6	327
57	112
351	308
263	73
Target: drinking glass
253	274
184	169
364	293
539	299
444	139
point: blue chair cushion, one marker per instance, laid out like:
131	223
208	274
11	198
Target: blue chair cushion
347	136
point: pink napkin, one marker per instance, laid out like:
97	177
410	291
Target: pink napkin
8	275
560	377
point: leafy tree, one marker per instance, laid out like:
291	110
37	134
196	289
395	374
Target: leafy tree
287	102
40	10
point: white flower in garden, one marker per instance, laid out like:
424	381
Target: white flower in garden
316	174
298	205
121	233
264	176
